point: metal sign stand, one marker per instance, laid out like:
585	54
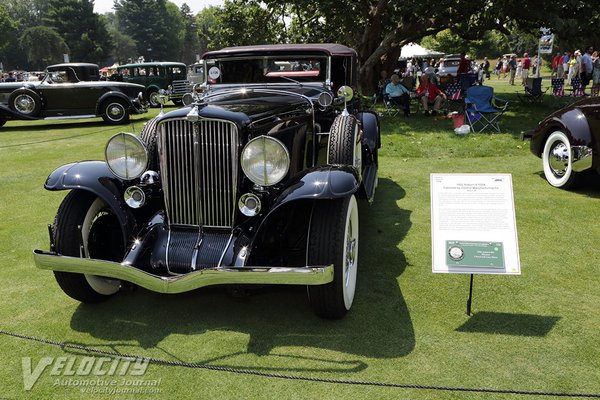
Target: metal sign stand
470	299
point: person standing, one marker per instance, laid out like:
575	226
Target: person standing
10	77
464	65
566	58
512	65
574	66
587	66
555	62
526	66
498	67
486	67
559	66
537	64
596	70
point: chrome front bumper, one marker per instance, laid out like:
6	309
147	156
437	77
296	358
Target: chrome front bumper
582	158
313	275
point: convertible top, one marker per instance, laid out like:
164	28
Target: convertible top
331	49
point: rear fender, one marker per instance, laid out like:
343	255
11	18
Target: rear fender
109	95
94	177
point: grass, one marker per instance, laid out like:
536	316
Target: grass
538	331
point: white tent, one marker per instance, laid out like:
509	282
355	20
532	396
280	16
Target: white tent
413	50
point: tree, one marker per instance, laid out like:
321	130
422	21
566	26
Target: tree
190	35
242	23
125	47
206	23
491	44
156	26
25	14
7	25
377	29
84	31
43	46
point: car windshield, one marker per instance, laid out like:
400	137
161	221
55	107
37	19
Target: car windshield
62	76
266	70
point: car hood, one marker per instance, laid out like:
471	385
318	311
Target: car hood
10	86
253	104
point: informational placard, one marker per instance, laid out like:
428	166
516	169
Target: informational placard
473	225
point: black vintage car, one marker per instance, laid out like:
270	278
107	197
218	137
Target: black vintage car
71	91
568	142
254	182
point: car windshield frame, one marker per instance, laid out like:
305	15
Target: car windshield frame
270	69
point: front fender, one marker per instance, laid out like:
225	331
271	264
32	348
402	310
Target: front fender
573	123
12	114
95	177
325	182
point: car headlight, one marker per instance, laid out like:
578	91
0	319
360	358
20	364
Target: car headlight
126	156
265	160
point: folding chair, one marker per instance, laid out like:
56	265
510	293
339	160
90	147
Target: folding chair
558	90
533	91
482	108
577	87
391	109
454	97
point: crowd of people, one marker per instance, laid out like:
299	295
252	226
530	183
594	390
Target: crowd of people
566	65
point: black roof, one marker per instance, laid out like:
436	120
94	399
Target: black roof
331	49
76	65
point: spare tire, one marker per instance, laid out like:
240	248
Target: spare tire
25	102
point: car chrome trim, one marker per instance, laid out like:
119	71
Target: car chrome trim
582	158
310	275
199	165
72	117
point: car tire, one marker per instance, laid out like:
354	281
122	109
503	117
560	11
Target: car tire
115	112
153	98
342	141
25	102
334	240
85	218
557	159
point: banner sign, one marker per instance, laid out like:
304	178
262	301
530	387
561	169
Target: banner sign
546	43
473	225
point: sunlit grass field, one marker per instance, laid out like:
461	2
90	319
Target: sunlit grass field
534	332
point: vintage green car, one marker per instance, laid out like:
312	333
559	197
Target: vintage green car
168	76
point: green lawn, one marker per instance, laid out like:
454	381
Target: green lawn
534	332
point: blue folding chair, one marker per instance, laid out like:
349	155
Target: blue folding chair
483	109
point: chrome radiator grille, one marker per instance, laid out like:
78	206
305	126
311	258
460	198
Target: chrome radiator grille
199	171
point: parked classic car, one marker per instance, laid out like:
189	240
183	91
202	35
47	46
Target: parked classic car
157	76
71	91
254	182
568	142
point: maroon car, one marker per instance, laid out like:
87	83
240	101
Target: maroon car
567	142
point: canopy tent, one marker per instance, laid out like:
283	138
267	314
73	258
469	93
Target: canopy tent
414	50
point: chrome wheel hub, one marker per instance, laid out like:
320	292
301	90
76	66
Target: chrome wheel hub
24	104
558	159
350	255
115	111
